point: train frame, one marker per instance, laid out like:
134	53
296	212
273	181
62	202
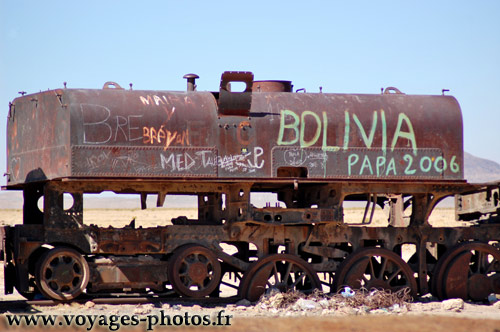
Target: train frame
304	245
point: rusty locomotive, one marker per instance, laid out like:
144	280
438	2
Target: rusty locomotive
315	151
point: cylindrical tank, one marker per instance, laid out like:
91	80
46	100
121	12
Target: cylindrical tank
272	86
388	136
69	133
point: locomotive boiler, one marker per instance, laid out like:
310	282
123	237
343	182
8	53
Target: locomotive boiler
315	151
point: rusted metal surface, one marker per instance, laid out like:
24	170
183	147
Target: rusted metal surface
281	272
111	132
483	201
236	103
127	272
468	271
314	151
38	129
63	274
194	271
375	268
125	133
328	242
191	81
272	86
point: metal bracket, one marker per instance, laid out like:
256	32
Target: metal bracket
392	90
235	103
109	85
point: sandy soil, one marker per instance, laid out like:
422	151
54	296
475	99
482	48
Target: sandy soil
345	324
426	314
424	317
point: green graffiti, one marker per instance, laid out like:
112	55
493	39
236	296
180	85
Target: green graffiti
325	146
347	126
384	131
391	167
380	165
368	140
409	159
440	169
290	121
303	142
383	166
366	163
454	166
294	126
424	160
351	162
409	135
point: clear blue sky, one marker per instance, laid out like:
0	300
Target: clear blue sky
420	47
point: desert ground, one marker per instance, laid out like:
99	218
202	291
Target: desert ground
423	314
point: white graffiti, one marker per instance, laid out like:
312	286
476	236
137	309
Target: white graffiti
246	162
101	126
303	157
178	162
97	160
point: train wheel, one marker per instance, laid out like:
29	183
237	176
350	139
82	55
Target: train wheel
439	271
282	272
469	271
194	271
377	268
62	274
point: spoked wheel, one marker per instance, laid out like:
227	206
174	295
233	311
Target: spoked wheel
230	281
377	268
194	271
468	271
62	274
282	272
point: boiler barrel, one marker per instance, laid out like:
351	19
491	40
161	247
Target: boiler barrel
163	134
